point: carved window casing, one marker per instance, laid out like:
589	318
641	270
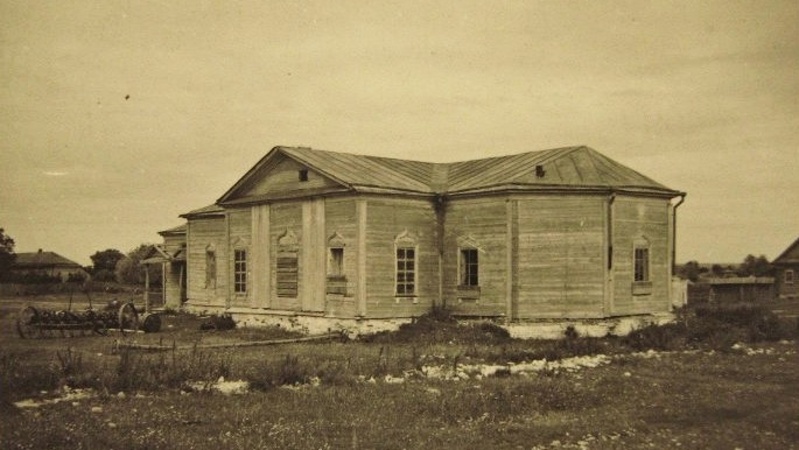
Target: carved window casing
336	278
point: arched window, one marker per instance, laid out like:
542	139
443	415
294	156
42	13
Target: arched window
336	279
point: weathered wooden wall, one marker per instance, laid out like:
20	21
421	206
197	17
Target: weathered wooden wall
482	224
386	219
239	236
201	233
285	218
341	227
560	260
787	290
640	218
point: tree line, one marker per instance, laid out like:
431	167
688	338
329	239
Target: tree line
757	266
109	265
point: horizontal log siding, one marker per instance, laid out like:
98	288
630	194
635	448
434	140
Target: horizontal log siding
284	216
386	219
485	222
202	233
633	218
560	260
340	218
240	223
284	179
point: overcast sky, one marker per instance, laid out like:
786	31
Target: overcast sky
117	116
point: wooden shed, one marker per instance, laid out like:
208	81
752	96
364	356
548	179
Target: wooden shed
560	233
787	271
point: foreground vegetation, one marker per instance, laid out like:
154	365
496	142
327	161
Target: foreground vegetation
716	378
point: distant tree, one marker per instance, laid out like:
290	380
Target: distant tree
105	260
7	255
755	266
130	270
690	271
717	270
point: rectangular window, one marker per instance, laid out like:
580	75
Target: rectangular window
210	269
469	267
641	264
789	276
335	262
406	271
240	271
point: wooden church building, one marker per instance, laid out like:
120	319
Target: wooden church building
560	233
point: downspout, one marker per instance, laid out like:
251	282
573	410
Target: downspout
440	203
674	233
609	288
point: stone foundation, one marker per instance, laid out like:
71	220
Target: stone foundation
315	324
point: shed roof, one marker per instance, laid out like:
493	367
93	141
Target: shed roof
565	168
42	259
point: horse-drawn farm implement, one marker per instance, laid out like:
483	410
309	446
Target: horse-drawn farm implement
35	322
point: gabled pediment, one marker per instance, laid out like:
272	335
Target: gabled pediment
279	176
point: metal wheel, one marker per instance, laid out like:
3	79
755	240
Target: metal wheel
128	317
27	321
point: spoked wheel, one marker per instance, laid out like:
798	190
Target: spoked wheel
27	322
128	317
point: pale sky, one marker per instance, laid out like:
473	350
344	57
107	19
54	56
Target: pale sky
117	116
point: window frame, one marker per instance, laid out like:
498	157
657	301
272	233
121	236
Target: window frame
404	271
240	268
467	279
789	276
641	267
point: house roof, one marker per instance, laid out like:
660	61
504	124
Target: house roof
567	168
178	230
38	259
205	211
790	255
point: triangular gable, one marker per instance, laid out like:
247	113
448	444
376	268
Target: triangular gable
279	175
790	255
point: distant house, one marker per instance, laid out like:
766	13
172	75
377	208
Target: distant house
787	268
561	233
49	264
732	289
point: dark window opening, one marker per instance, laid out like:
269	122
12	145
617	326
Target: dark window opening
303	174
469	267
641	264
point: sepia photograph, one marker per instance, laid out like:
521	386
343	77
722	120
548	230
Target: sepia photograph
273	224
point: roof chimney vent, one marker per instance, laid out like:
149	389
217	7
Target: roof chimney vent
40	250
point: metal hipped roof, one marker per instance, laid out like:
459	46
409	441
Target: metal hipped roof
577	168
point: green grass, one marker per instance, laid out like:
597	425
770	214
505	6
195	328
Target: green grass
703	398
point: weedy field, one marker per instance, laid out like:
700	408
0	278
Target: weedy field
719	377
